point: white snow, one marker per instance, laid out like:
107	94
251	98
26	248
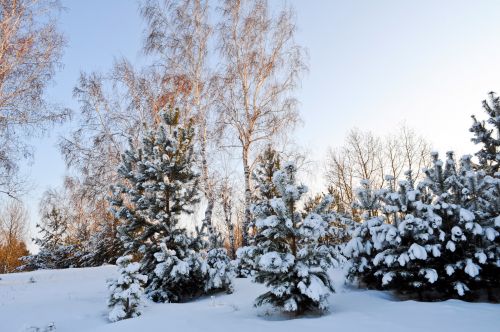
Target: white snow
471	268
387	278
457	234
461	288
430	274
491	234
274	261
466	215
75	300
416	251
481	257
403	259
450	245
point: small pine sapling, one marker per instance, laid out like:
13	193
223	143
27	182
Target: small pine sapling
126	291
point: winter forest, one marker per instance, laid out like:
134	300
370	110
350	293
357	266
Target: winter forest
190	200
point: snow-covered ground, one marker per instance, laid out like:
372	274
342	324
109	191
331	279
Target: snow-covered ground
75	300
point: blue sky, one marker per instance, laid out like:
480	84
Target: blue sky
373	65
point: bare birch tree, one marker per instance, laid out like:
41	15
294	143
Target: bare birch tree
365	156
360	158
416	151
30	50
260	69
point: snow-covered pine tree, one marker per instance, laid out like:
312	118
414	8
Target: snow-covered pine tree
126	291
367	200
268	162
438	241
340	224
487	134
290	261
217	266
365	242
159	185
217	270
55	251
220	271
481	195
456	197
389	250
104	246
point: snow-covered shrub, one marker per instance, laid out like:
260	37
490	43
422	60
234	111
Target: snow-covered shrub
220	271
126	291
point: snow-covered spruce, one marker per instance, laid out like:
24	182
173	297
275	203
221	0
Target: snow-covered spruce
126	291
437	240
289	259
160	184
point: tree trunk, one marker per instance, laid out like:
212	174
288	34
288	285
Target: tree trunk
232	248
226	206
206	186
294	240
208	222
248	197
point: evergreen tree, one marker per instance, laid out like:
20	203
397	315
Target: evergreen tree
289	260
126	291
159	185
487	134
340	224
268	162
104	246
367	238
56	252
439	240
220	271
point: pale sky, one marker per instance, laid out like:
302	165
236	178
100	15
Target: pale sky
373	65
